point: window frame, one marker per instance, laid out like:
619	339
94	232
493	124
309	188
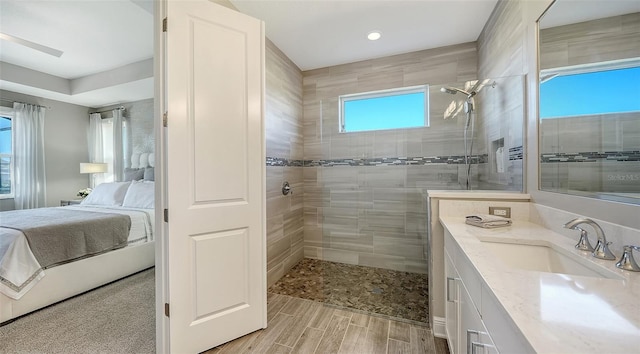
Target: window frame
8	113
342	99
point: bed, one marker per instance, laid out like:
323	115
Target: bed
35	273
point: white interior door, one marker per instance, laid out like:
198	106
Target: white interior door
215	175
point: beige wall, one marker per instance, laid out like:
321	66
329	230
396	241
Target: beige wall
65	143
283	119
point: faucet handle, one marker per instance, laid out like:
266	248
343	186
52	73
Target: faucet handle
583	244
602	251
627	262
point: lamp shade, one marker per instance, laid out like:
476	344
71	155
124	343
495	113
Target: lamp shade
93	167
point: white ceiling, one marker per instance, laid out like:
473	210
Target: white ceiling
95	37
565	12
322	33
114	38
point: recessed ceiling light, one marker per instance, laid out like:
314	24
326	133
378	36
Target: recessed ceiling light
374	35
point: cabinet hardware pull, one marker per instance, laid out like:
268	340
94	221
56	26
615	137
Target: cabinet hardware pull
449	289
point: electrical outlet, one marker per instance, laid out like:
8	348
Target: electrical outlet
500	211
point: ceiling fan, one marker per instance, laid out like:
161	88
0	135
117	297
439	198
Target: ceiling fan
39	47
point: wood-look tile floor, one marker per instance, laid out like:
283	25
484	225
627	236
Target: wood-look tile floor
304	326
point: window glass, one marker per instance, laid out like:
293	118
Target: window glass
588	93
6	157
389	109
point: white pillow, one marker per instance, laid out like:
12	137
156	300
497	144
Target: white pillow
140	195
152	159
107	194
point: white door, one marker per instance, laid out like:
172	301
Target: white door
215	175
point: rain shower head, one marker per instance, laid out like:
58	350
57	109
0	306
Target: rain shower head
454	90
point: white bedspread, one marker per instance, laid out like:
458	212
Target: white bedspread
19	269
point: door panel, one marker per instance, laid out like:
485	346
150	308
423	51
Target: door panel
215	175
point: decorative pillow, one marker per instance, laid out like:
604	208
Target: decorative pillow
107	194
140	195
152	159
149	174
133	174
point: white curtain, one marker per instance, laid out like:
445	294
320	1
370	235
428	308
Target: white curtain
118	150
96	152
30	187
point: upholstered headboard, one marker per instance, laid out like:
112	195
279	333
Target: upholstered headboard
143	160
142	167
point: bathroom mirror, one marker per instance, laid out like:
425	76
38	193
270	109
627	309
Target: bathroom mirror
589	99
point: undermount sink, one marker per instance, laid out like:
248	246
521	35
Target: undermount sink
544	258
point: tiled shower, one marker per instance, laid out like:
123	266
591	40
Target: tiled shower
358	198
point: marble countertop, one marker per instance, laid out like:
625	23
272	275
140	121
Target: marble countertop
556	313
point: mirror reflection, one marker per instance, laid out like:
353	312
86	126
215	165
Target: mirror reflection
589	99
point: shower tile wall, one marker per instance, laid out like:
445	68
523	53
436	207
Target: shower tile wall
283	119
587	42
501	55
375	215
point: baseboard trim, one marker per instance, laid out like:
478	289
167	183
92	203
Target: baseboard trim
439	327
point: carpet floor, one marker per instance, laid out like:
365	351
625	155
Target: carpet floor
116	318
398	295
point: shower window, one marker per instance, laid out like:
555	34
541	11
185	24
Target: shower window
612	87
400	108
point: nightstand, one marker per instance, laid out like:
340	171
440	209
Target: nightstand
70	202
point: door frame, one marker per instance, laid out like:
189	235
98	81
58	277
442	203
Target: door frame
160	106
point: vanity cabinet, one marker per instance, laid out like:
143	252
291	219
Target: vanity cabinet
474	321
466	332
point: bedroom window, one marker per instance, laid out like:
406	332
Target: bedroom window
6	157
107	148
406	107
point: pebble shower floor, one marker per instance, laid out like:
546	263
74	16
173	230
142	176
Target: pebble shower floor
395	294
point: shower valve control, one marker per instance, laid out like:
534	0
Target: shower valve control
286	188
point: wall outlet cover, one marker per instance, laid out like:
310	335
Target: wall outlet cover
500	211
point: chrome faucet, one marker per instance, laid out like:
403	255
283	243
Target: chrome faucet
602	247
583	244
627	262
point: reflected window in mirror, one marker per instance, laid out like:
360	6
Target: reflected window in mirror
587	90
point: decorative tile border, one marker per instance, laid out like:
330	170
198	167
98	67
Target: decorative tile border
515	153
380	161
395	161
620	156
277	161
